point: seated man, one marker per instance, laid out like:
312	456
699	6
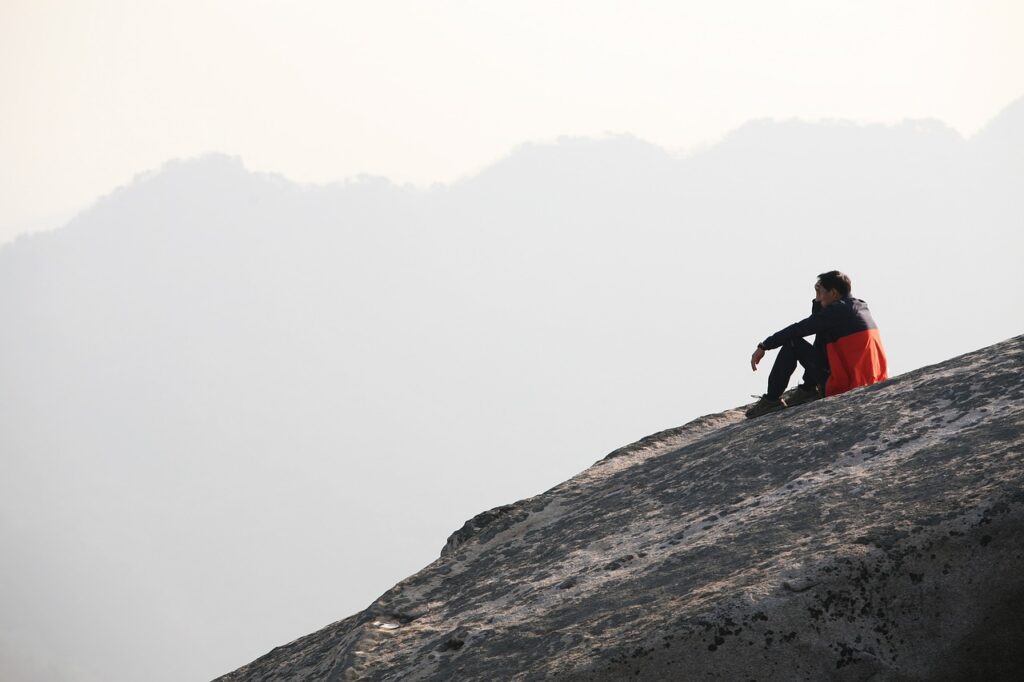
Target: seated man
847	350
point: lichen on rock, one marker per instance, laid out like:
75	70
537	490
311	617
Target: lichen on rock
875	535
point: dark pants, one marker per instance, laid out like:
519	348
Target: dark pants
811	358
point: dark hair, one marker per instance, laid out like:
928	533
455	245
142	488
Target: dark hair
834	279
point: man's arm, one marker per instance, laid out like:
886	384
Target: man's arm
814	324
756	357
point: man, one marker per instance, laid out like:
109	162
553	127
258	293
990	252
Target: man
847	350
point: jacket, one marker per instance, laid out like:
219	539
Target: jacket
853	345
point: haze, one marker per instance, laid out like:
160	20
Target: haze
96	91
236	405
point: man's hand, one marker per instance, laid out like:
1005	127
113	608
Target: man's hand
756	358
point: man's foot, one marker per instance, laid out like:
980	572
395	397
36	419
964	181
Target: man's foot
800	395
764	406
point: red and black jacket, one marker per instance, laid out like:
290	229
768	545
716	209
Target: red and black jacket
853	346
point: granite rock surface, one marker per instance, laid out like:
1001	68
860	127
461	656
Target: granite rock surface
877	535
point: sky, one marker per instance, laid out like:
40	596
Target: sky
97	91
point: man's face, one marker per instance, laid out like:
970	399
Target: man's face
825	296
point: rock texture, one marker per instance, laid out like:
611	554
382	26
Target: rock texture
877	535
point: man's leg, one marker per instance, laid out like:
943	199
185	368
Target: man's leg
791	353
816	368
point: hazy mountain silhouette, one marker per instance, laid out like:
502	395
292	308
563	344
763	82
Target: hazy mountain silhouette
218	383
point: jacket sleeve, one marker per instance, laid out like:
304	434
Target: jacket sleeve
815	324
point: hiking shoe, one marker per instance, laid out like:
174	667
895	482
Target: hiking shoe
800	395
764	406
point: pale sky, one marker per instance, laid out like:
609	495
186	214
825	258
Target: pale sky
96	91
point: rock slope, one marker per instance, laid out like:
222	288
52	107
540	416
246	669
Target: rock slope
878	535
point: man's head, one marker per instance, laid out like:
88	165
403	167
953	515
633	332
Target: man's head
832	286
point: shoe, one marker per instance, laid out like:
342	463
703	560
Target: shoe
800	395
764	406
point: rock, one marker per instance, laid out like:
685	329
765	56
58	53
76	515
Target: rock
875	535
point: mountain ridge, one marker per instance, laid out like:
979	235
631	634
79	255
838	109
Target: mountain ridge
871	535
1007	123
